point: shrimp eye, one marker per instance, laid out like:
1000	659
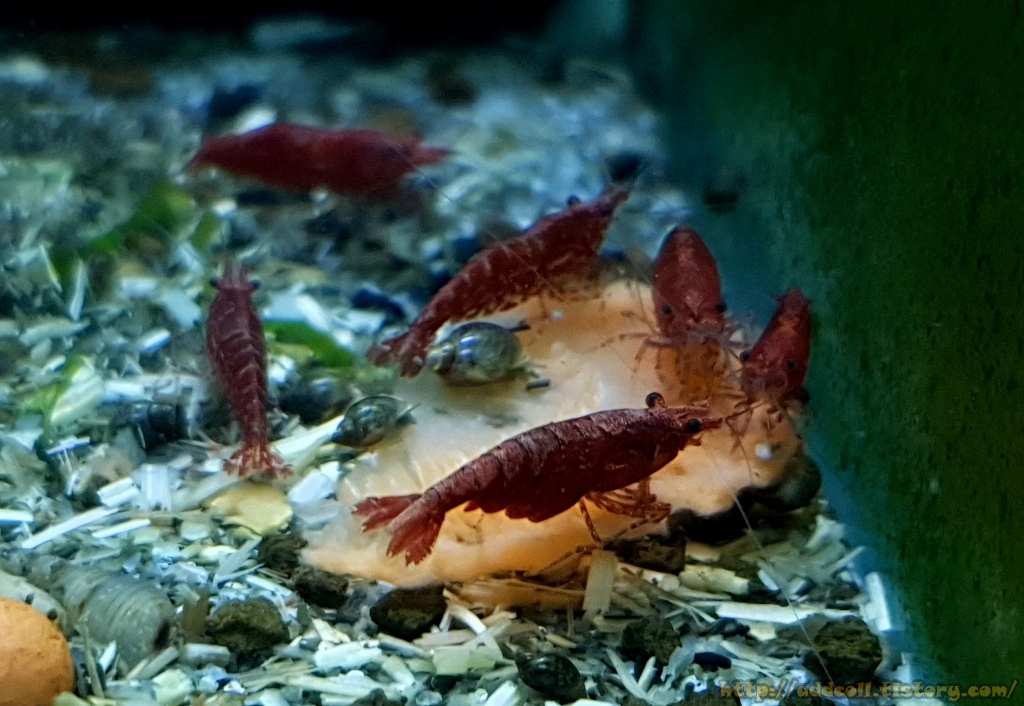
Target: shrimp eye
655	400
572	201
792	365
745	356
720	307
666	309
693	426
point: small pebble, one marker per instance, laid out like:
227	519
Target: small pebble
625	166
845	651
226	103
649	637
320	587
665	554
554	676
711	660
280	552
367	297
376	698
727	627
407	613
315	401
248	626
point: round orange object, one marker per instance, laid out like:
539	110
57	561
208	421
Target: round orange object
35	660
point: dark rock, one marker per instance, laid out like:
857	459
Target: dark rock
625	166
711	660
656	553
443	683
159	424
719	528
649	637
845	652
315	401
226	103
368	297
249	626
320	587
407	613
376	698
727	627
554	676
280	552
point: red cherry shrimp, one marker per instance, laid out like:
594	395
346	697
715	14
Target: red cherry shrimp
303	158
690	315
547	470
237	351
548	258
774	369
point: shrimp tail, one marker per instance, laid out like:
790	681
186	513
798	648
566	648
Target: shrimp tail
415	533
380	511
414	530
256	459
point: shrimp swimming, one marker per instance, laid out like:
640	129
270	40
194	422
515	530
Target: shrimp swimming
546	471
238	353
303	158
545	259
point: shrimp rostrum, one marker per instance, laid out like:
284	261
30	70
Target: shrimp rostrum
546	471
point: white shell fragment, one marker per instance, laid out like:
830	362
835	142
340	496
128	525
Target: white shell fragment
262	508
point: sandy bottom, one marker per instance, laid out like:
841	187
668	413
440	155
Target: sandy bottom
588	349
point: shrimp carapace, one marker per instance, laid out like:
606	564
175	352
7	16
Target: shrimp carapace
692	329
238	354
776	366
303	158
546	471
555	251
688	302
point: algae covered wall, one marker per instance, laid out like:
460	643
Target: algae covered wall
883	152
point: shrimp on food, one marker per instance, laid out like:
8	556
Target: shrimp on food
303	158
776	366
546	258
690	315
238	353
546	471
774	369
